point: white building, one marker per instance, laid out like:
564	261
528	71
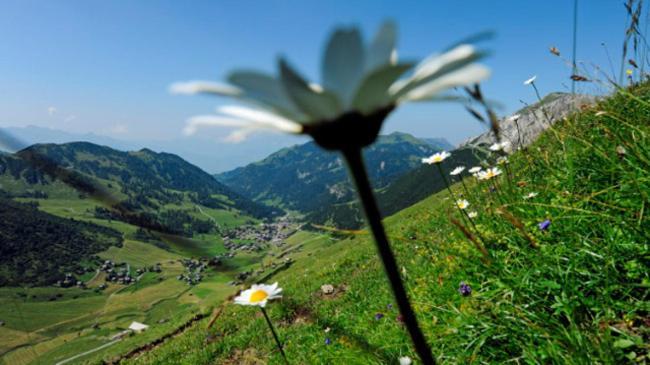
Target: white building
138	327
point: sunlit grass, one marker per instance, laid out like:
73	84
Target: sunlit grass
579	295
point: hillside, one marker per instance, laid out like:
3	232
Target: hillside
39	249
111	271
572	290
210	154
439	143
405	191
146	178
306	178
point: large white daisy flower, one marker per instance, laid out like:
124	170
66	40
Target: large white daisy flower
364	79
259	295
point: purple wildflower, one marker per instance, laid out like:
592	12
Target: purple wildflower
328	341
400	318
543	226
379	316
389	306
464	289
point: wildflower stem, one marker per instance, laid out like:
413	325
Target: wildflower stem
548	119
465	187
275	335
509	175
478	233
463	214
444	178
373	216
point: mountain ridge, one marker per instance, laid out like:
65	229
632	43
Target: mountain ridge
305	177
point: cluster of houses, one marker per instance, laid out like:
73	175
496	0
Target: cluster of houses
254	237
193	270
118	273
69	281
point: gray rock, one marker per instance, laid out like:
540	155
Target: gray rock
532	121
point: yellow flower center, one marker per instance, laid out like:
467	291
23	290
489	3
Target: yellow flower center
258	296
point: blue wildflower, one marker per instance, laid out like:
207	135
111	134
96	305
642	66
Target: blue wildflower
379	316
464	289
543	226
328	341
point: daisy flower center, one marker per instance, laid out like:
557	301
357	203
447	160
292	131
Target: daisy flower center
258	296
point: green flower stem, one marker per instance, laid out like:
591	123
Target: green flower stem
275	335
373	216
463	214
462	181
478	233
509	175
444	178
495	185
548	119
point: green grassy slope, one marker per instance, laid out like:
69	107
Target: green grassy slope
575	293
306	178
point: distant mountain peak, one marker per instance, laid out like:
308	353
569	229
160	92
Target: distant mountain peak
305	177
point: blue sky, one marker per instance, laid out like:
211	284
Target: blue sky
104	67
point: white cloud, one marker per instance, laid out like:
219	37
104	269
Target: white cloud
119	129
51	111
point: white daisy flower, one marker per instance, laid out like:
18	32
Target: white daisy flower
513	118
489	173
405	360
462	203
530	195
502	160
259	295
360	82
499	146
530	80
457	170
475	169
437	157
472	214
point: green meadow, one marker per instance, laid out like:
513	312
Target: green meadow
572	292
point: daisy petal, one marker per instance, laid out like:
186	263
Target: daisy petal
262	118
373	90
382	47
435	67
204	87
473	39
318	105
464	76
266	90
343	63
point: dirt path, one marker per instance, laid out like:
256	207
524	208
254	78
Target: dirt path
88	352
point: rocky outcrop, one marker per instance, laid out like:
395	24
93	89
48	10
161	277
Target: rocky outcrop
523	127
